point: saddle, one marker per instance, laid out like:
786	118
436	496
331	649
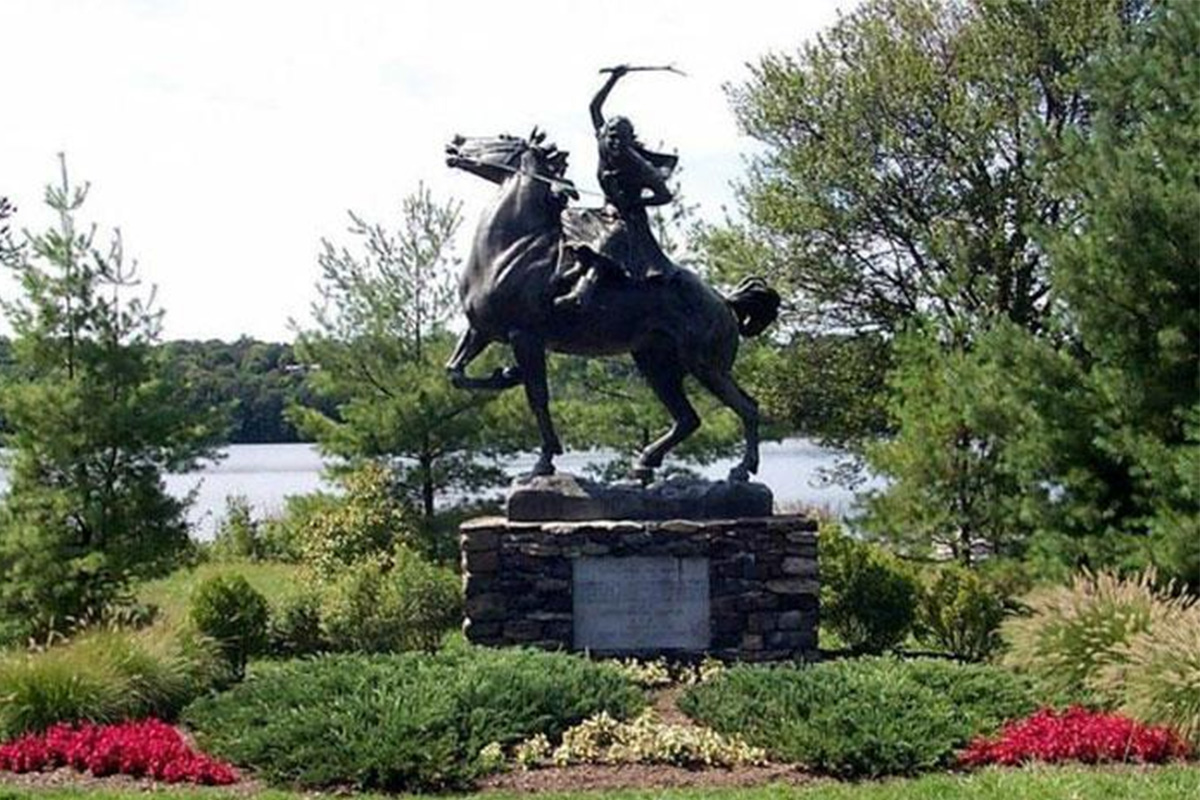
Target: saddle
623	242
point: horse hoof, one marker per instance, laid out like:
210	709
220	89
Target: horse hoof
739	474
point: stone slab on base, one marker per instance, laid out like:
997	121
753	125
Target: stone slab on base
751	582
564	497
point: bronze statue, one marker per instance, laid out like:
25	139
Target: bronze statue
673	324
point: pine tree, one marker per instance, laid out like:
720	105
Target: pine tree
92	427
377	348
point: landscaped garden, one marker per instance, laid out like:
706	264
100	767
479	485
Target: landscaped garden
1087	687
984	218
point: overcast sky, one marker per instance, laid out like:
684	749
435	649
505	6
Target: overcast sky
226	138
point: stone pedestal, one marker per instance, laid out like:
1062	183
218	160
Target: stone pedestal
735	588
563	497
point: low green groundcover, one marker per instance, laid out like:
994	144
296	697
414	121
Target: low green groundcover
413	721
864	717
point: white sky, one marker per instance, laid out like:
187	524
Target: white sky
226	138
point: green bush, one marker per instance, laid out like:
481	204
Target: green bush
295	628
238	536
1073	633
234	614
414	721
105	676
959	613
387	605
364	523
868	598
861	718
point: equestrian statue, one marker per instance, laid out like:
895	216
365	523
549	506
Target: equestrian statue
594	282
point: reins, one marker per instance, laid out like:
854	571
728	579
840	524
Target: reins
552	182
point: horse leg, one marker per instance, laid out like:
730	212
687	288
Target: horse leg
470	345
530	352
725	389
665	377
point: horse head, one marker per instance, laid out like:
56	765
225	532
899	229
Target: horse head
495	158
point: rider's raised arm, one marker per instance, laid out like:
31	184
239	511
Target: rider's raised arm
598	101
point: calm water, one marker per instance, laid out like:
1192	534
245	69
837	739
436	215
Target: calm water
266	474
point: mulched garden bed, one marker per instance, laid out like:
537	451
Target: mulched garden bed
67	778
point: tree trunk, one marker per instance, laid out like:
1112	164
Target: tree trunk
427	487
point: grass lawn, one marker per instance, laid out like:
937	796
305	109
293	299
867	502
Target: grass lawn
172	593
1034	783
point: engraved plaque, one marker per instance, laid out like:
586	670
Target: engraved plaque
640	603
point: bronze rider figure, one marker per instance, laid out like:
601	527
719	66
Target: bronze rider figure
617	239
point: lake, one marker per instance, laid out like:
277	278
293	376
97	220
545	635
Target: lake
268	473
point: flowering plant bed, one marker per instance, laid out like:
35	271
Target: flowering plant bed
148	748
1075	735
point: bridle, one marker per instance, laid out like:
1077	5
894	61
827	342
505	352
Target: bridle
553	183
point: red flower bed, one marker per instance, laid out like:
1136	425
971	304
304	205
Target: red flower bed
1075	735
147	748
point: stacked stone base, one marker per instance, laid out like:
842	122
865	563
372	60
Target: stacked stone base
762	581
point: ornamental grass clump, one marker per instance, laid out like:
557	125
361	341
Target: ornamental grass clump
1076	734
106	676
1074	633
1156	675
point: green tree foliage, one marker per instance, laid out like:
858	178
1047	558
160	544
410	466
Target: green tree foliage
898	175
377	348
258	380
9	249
827	386
1127	271
899	178
953	489
1079	446
92	428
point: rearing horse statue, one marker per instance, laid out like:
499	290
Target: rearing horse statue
673	327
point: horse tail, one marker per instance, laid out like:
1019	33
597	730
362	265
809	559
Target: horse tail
755	304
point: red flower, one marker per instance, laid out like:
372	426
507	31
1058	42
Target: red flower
144	748
1075	735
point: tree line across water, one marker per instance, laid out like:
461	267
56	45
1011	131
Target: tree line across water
254	381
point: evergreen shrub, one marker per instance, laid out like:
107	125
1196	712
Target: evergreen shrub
234	614
406	722
295	627
861	718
